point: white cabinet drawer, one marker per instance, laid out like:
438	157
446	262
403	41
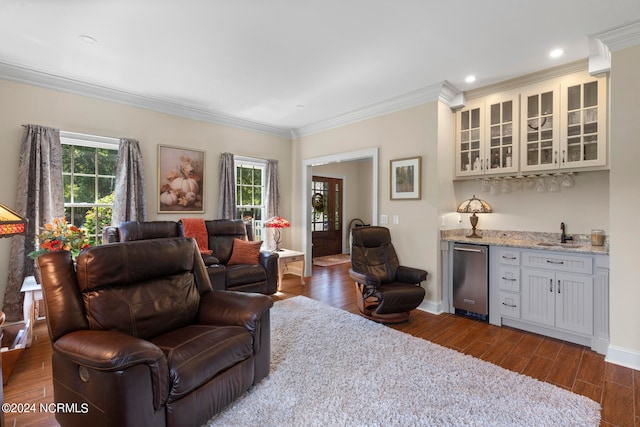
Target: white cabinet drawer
509	278
510	305
558	262
508	256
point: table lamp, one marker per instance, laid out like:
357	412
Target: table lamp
277	223
11	224
474	205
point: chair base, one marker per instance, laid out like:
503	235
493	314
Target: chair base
367	307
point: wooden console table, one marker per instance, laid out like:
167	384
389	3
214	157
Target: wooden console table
287	257
32	292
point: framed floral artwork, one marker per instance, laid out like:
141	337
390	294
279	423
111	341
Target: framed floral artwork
180	180
405	178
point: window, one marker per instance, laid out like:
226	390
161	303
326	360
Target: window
250	203
89	176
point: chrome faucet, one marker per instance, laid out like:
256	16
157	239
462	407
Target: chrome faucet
563	235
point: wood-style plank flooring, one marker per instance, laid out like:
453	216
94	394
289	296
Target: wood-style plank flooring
566	365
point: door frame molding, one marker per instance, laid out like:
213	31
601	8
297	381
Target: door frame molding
307	174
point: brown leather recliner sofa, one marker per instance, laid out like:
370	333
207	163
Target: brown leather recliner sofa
261	277
147	342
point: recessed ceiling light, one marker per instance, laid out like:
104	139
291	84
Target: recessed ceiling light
88	39
470	79
556	53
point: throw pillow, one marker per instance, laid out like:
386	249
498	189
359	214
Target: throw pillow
196	228
245	252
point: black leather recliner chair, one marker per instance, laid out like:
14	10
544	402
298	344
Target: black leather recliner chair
387	291
145	341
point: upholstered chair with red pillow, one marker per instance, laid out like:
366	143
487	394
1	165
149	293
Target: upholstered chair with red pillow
248	268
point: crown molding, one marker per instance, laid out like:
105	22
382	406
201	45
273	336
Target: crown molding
46	80
532	78
620	37
444	92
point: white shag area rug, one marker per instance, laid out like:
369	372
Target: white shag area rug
333	368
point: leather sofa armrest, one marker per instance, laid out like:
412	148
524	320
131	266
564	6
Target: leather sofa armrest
410	275
210	260
233	308
269	260
110	351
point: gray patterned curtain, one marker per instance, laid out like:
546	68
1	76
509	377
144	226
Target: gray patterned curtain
40	199
129	200
227	197
272	196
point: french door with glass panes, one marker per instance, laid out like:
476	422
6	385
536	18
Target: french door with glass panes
326	216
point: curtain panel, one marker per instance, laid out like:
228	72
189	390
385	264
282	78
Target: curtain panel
272	196
129	199
227	197
40	199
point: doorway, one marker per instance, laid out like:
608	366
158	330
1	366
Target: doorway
326	216
307	174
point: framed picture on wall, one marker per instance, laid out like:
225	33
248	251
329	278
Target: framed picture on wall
180	180
405	178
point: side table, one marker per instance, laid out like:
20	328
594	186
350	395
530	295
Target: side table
32	292
287	257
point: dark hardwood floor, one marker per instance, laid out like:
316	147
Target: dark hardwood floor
566	365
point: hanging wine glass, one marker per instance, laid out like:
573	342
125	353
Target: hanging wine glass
541	187
567	181
554	185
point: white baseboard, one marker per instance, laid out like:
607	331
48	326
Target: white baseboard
623	357
431	307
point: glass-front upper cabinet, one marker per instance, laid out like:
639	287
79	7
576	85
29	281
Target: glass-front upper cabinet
486	142
470	140
584	123
539	132
501	153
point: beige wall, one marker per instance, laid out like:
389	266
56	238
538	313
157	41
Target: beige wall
624	207
407	133
22	104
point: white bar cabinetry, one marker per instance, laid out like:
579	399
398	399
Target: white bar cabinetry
552	293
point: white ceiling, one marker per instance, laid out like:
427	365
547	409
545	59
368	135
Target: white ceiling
256	61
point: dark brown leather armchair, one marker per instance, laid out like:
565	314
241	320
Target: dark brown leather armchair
261	277
387	291
140	338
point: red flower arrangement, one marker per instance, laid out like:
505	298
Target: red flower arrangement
61	236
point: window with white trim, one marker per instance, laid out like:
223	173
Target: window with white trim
250	192
89	176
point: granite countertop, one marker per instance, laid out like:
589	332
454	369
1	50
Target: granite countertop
581	243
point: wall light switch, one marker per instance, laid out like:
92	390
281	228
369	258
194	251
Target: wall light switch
396	219
384	219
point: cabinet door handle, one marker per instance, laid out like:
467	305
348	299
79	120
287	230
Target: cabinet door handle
558	286
551	261
550	285
555	157
509	305
563	157
509	257
509	280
